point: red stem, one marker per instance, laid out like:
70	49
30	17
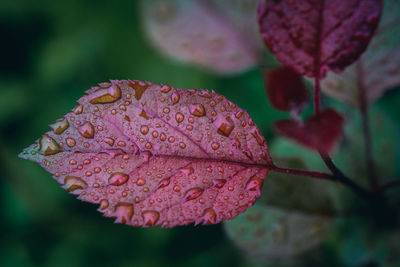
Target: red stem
338	174
319	175
317	94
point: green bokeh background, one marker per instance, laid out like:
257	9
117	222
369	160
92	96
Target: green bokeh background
51	52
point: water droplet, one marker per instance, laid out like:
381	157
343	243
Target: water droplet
165	182
141	182
150	217
154	134
197	110
248	154
103	204
224	125
214	146
166	110
177	188
108	95
86	130
193	193
165	88
139	87
163	137
257	135
182	145
209	217
70	142
219	183
118	178
175	98
187	171
60	126
148	145
254	184
205	93
123	212
171	139
239	114
78	109
144	114
109	141
48	146
72	183
144	129
179	117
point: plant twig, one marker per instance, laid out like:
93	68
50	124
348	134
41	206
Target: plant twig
386	186
343	178
369	160
319	175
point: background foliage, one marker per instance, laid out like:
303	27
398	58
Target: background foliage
51	51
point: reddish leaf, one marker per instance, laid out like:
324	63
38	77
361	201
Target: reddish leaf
319	132
286	91
155	155
378	70
315	36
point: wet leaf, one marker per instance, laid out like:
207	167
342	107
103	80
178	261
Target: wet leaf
286	91
205	33
268	233
296	193
320	132
378	69
315	36
156	155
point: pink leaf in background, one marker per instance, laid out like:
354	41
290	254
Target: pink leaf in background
286	91
219	35
156	155
315	36
320	132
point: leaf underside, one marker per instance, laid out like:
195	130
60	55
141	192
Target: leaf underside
156	155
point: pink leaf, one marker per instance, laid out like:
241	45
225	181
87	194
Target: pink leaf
156	155
286	91
315	36
205	33
319	132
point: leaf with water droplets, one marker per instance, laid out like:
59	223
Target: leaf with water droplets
156	155
378	69
315	36
205	33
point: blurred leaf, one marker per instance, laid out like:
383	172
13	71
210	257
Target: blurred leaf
268	233
213	34
385	135
296	192
378	69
